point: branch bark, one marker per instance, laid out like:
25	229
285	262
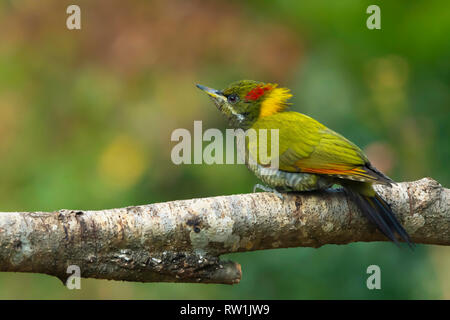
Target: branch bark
181	241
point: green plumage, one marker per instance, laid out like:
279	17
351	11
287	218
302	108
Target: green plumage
303	138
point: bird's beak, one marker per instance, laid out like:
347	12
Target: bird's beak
221	102
216	95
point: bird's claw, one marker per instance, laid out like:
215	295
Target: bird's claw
268	189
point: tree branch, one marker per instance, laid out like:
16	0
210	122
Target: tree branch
181	241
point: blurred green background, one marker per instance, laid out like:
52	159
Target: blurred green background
86	118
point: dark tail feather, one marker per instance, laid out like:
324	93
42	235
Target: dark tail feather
380	213
395	223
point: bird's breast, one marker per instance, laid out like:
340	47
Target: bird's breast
292	181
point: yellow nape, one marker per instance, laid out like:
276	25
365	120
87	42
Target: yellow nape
275	101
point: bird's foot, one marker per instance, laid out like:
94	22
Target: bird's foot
267	189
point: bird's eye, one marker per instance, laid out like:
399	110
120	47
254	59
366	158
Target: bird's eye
233	98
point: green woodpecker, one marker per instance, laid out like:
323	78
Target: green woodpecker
310	155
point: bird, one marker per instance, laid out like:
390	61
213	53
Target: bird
310	156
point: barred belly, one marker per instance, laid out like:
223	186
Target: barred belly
289	181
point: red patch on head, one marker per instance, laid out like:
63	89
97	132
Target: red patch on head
257	92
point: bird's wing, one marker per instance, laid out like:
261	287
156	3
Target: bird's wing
305	145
